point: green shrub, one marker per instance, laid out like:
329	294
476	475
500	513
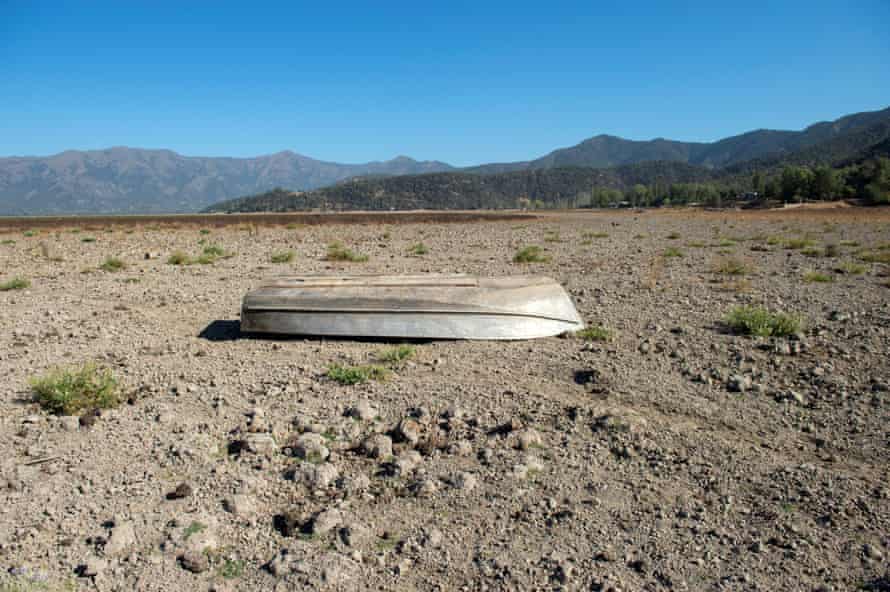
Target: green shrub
673	252
530	254
337	251
7	241
594	333
732	266
851	268
69	391
874	256
419	250
349	375
88	239
214	251
817	277
796	244
112	264
204	231
596	234
758	321
16	283
396	355
231	569
674	235
29	233
179	258
283	257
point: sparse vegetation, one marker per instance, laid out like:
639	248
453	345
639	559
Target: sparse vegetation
112	264
231	569
16	283
850	268
396	355
598	234
283	257
530	254
732	266
349	375
874	256
193	529
418	250
817	277
88	239
673	252
29	233
594	333
760	322
796	244
179	258
67	391
337	251
812	252
7	241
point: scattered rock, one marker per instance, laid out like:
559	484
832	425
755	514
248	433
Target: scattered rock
194	562
363	411
123	538
356	534
529	438
739	383
241	505
311	447
92	567
182	490
326	521
464	481
377	446
260	443
408	431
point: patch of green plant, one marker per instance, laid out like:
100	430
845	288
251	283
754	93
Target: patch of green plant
349	375
760	322
214	251
418	250
231	569
530	254
112	264
67	391
551	236
874	256
732	266
204	231
726	242
775	240
812	252
796	244
179	258
598	234
337	251
696	244
673	252
29	233
193	529
850	268
88	239
283	257
594	333
674	235
849	243
831	250
291	226
396	355
7	241
817	277
16	283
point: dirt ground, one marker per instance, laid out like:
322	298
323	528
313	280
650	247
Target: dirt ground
675	455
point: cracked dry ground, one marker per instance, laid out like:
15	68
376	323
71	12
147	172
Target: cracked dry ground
674	456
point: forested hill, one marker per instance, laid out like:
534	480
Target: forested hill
548	187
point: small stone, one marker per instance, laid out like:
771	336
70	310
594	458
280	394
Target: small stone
315	476
326	521
356	534
240	505
407	461
89	418
194	562
432	538
182	490
123	538
355	485
461	448
69	423
872	552
363	411
464	481
378	446
738	383
338	571
529	438
425	487
260	443
408	431
92	567
311	447
486	456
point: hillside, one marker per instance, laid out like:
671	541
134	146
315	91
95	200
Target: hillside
130	180
461	190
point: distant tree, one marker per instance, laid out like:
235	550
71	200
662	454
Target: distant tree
795	182
757	182
823	183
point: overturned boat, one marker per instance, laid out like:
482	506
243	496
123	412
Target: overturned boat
432	306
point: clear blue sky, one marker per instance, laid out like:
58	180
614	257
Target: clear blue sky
464	82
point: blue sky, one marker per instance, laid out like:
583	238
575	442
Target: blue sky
464	82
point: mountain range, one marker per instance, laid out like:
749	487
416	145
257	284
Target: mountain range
132	180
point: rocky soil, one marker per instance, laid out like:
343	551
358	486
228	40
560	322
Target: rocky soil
674	456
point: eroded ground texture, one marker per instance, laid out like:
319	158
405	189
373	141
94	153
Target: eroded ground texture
673	456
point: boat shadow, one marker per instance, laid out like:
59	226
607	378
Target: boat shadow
220	330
